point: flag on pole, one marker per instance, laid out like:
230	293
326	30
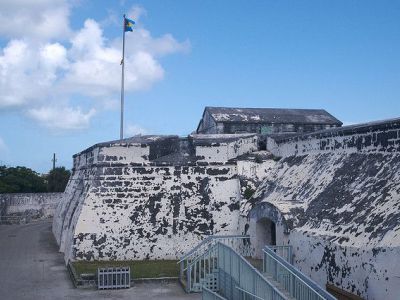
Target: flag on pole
129	24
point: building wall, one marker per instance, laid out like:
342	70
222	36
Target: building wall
337	205
272	128
208	125
121	153
39	205
148	212
224	151
372	273
342	211
381	136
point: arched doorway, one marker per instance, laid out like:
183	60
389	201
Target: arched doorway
266	227
266	231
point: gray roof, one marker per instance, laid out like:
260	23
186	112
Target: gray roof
272	115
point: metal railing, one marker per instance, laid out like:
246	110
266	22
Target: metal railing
210	295
235	271
246	295
295	283
198	267
241	242
114	278
285	252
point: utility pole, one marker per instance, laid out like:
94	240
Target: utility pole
54	161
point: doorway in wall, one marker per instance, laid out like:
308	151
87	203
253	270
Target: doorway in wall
266	232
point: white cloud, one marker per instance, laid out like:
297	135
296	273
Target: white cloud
136	12
53	56
3	146
38	19
40	75
132	130
62	118
28	73
141	39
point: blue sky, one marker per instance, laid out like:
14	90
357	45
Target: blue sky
59	66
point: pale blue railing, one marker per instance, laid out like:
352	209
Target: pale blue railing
285	252
295	283
198	267
239	242
218	267
236	274
246	295
210	295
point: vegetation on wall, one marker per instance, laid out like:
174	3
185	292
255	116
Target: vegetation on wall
248	193
258	159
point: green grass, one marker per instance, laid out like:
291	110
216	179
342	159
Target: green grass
139	268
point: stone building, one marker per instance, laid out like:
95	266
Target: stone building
332	195
217	120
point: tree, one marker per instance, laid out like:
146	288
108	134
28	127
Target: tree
57	179
21	180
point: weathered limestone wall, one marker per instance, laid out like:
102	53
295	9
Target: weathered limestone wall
121	153
38	205
218	152
380	136
149	212
333	196
123	205
342	211
372	273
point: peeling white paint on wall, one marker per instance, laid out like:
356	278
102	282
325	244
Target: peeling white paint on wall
223	151
39	205
333	196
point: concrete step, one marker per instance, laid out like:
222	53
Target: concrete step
256	263
278	286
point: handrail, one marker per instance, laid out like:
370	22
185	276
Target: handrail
214	294
209	239
248	293
282	250
243	260
295	272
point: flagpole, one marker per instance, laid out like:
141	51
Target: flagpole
122	81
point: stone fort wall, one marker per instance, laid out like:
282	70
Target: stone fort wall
337	191
380	136
120	205
41	205
334	194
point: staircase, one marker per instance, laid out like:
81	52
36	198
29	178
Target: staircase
218	265
279	271
199	267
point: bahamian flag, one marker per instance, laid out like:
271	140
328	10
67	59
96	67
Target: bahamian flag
129	24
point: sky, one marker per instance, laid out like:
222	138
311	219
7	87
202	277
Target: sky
60	67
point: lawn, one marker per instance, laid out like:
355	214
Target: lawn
139	268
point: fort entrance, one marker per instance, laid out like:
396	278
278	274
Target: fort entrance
266	227
266	231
